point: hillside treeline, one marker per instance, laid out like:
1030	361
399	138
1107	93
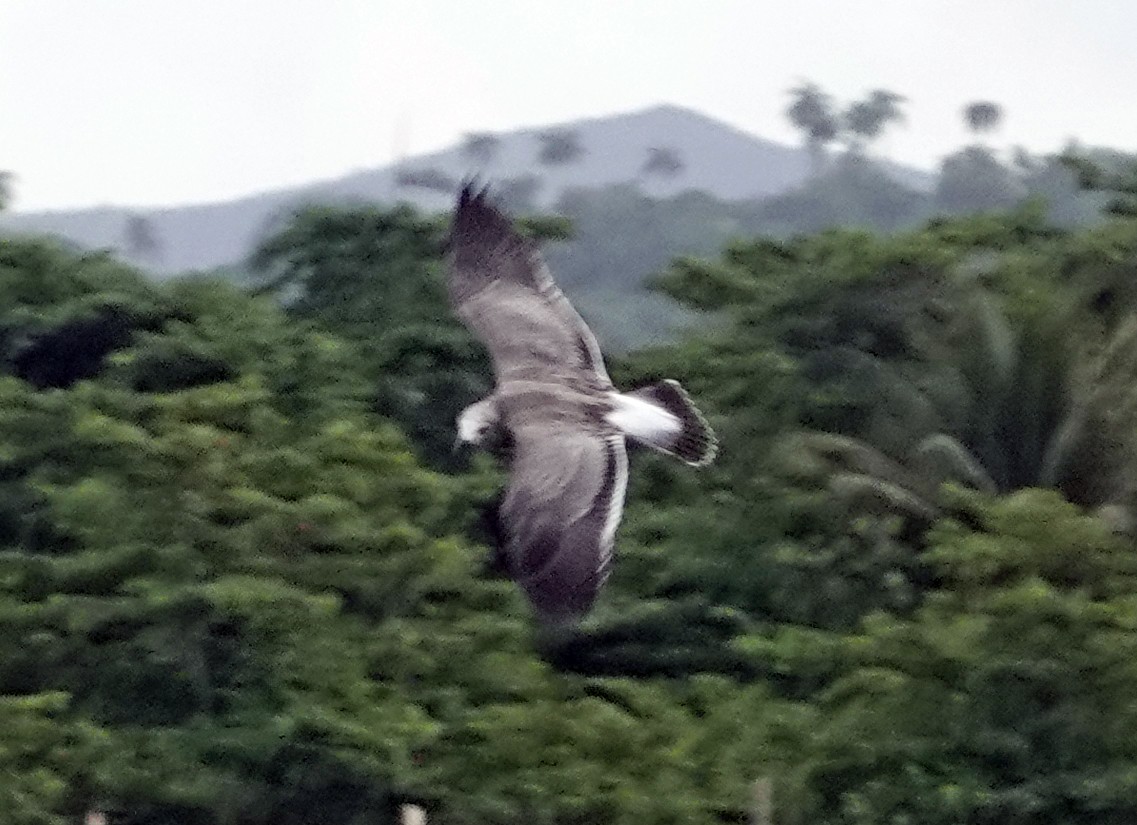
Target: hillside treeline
623	234
243	581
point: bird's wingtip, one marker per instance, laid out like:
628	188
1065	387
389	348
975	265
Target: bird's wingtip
473	192
476	214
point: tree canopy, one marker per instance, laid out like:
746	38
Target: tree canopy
243	581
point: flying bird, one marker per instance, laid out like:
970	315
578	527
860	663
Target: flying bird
553	404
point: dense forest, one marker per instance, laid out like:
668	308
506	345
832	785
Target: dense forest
243	579
625	232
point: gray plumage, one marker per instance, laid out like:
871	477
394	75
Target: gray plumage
565	421
502	290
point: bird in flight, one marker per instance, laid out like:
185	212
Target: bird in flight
553	404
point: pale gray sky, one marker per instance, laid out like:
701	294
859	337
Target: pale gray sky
148	102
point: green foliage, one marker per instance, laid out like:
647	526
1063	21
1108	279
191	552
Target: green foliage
231	594
1114	176
850	375
168	567
1005	697
234	590
375	277
812	112
944	659
39	758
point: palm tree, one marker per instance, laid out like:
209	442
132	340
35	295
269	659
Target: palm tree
811	112
141	240
559	146
866	119
1040	414
887	103
480	148
982	116
663	162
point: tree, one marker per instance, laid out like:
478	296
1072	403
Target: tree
1041	414
1047	178
1114	177
141	239
38	754
663	162
480	148
973	180
812	113
922	357
852	192
559	147
1001	699
928	376
866	119
233	590
376	277
234	595
982	116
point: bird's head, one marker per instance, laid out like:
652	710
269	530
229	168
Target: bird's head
475	423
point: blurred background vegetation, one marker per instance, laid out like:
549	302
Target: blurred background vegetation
242	579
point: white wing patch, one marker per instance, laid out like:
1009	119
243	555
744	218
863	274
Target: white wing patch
616	505
642	420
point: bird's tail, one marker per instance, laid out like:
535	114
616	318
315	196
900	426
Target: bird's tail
663	417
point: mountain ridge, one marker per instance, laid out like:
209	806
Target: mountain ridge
718	158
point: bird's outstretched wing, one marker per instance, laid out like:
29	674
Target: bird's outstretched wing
559	515
502	290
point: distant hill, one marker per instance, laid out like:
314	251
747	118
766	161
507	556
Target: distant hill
717	159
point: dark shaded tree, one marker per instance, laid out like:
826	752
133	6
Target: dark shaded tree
973	180
812	113
852	192
982	116
1000	699
1113	177
433	180
865	120
559	147
662	162
140	238
376	277
480	148
239	598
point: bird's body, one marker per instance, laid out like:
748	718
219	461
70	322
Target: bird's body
565	422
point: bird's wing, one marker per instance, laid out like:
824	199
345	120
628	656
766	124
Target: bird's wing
560	513
502	290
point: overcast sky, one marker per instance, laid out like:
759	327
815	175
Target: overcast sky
148	102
